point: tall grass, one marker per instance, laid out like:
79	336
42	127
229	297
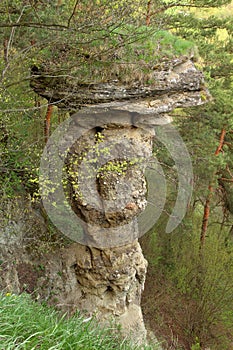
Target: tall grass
27	325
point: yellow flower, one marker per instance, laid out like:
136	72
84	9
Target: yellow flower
8	294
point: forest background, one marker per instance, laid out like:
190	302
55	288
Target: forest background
188	297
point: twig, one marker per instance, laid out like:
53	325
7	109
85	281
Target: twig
72	14
9	44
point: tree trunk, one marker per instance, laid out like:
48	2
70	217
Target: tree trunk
206	216
47	122
148	13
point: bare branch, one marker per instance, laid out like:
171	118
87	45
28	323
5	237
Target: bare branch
52	26
9	44
29	109
225	179
73	13
176	4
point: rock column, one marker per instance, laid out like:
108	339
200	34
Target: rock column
111	145
107	191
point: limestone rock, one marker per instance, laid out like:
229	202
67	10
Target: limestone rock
105	282
176	84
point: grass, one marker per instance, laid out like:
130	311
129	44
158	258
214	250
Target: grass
128	54
27	325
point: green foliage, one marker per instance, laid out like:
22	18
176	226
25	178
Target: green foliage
126	52
117	166
196	346
203	280
211	29
92	42
19	159
28	325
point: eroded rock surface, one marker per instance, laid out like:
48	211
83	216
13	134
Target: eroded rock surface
107	184
106	282
174	83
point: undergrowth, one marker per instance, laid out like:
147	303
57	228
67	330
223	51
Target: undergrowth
195	287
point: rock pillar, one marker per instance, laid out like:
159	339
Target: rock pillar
106	189
107	147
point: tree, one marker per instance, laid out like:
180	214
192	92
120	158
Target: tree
35	32
202	277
